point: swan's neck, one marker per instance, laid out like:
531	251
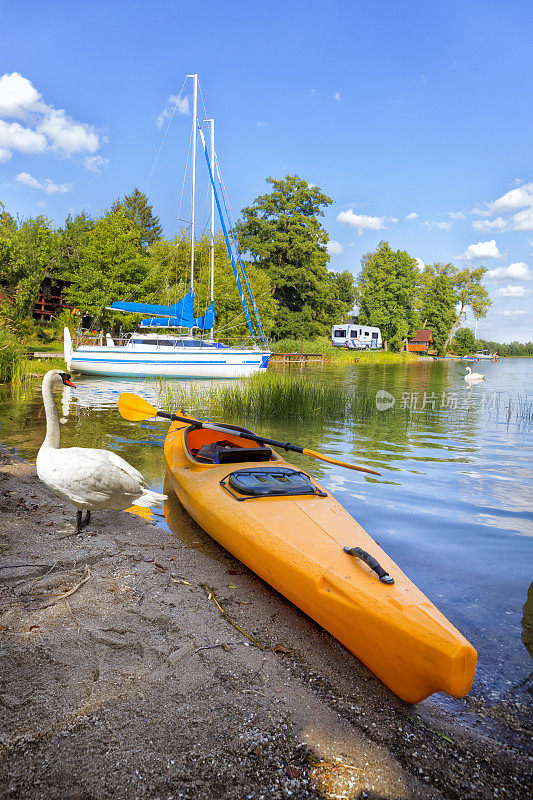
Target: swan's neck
52	419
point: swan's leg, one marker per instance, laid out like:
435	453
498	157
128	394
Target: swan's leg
82	523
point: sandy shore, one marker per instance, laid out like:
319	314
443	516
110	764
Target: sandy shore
122	678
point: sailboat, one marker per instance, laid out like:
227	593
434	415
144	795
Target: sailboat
149	354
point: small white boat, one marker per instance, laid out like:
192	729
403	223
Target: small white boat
484	355
149	355
160	355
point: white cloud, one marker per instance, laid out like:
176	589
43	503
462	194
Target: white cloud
412	215
508	313
481	250
5	155
46	128
456	215
14	136
18	96
95	163
498	224
174	103
361	221
513	291
518	271
333	247
513	200
517	182
336	95
442	226
261	124
48	186
420	264
68	136
523	220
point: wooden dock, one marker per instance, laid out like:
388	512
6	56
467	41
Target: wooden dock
39	356
297	358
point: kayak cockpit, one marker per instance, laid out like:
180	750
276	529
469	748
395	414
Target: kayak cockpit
212	447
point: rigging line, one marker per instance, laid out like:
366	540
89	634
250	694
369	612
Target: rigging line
221	217
185	178
236	247
164	137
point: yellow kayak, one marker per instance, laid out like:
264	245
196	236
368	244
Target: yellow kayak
292	533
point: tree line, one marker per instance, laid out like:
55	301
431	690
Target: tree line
123	255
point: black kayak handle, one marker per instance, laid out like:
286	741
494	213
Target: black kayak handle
372	562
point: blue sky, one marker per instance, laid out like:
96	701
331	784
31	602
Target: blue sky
394	109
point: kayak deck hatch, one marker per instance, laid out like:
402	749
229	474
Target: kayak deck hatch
270	482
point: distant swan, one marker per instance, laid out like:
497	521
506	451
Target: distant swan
471	377
90	479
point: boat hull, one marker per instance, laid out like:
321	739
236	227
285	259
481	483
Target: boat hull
185	362
295	543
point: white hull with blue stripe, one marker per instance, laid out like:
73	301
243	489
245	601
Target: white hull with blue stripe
139	361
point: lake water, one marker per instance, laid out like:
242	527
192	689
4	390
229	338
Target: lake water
453	505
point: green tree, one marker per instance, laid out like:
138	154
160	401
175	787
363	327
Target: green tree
284	236
468	285
464	342
71	239
112	266
36	244
438	301
137	208
386	292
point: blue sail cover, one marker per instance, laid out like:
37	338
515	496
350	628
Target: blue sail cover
182	311
205	323
208	320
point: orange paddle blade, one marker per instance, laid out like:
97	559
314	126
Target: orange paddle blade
135	408
322	457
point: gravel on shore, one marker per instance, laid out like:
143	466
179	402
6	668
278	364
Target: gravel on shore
121	677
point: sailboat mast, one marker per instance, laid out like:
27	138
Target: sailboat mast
194	107
212	247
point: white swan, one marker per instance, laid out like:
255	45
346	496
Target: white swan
470	376
90	479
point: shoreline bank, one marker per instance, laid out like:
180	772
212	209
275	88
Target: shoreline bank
134	685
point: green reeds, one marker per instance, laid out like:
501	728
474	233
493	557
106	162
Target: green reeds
12	355
274	396
268	396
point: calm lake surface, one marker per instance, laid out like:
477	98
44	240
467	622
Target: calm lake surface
453	505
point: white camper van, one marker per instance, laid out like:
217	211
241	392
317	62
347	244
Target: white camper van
356	337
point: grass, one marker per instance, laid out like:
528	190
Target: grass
340	355
14	364
271	396
12	356
32	366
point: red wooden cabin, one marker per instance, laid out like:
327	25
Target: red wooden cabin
420	342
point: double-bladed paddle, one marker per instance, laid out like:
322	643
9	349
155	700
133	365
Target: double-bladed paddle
135	409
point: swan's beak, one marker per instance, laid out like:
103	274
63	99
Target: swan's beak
66	380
